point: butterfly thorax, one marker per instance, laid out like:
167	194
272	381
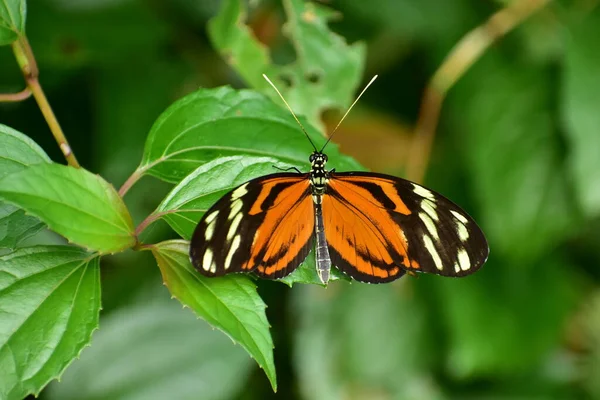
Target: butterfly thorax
319	176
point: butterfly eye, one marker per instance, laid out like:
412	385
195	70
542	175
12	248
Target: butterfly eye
312	157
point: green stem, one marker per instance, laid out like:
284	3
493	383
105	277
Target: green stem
28	65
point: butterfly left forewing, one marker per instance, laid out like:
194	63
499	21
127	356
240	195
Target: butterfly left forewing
264	226
430	233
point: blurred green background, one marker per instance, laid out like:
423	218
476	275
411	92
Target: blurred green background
518	146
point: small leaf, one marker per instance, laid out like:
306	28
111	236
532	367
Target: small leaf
306	273
326	71
16	226
50	301
73	202
17	152
154	349
581	105
12	20
229	303
213	123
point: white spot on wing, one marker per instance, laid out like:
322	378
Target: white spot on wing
236	206
234	246
430	226
463	260
421	191
207	260
459	217
234	226
209	232
239	192
463	232
211	217
434	254
430	209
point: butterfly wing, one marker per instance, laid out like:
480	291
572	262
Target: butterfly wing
265	226
379	226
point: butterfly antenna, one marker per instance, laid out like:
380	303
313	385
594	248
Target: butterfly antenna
347	112
290	108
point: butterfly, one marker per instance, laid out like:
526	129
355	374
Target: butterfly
373	227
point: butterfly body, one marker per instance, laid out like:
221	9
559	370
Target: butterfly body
373	227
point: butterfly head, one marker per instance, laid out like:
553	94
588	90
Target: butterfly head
318	159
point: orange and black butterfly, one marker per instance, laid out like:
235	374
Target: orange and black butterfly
373	227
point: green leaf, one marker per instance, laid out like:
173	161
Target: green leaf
12	20
363	339
213	123
326	71
15	226
75	203
306	273
581	105
17	152
50	297
514	156
155	349
229	303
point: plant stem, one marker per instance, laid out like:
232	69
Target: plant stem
28	65
466	52
14	97
137	174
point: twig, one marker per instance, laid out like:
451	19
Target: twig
30	71
137	174
461	58
14	97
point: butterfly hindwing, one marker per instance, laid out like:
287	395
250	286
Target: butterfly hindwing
400	224
265	226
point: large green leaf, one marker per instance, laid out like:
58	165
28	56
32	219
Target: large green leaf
12	20
229	303
49	301
213	123
154	349
73	202
17	152
326	71
513	153
581	105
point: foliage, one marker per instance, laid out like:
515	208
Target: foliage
517	146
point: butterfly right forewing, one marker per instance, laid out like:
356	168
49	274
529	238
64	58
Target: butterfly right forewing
264	226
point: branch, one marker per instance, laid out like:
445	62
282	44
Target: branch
30	71
14	97
466	52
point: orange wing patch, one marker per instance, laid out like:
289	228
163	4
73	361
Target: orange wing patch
364	241
286	231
